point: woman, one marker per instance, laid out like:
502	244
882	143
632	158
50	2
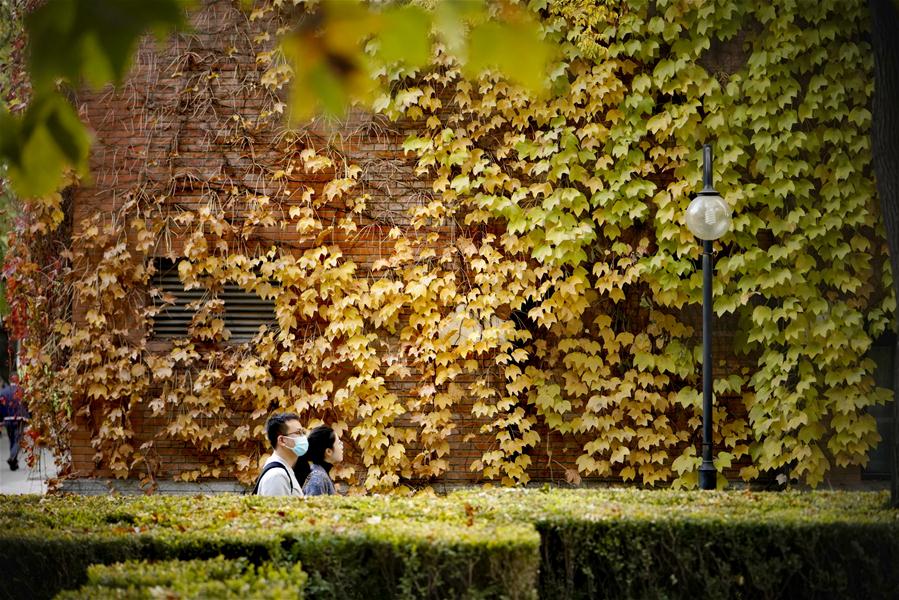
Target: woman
325	450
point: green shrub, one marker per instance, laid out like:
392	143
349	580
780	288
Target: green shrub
38	563
213	578
480	543
379	547
421	560
684	559
642	544
47	544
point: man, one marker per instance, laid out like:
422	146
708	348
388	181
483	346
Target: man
289	442
14	416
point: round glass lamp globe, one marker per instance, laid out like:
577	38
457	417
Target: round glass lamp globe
708	216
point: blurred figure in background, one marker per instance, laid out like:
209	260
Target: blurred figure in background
15	415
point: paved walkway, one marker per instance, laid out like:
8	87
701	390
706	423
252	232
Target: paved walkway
26	480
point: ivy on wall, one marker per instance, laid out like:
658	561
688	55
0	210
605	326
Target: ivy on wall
544	280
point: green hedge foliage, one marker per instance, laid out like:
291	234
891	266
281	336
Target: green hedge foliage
480	544
350	547
214	578
639	544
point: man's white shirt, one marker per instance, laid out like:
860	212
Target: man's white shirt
277	482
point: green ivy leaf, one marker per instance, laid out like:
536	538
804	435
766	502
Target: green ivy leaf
94	40
404	36
39	145
515	49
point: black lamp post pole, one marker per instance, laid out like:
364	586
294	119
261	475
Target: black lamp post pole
707	473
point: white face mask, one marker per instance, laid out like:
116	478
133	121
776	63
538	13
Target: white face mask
300	444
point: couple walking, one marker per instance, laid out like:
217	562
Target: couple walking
301	462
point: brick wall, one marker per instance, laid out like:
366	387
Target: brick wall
170	130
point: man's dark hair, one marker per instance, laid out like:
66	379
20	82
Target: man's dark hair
277	426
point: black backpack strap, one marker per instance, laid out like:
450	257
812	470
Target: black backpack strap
266	469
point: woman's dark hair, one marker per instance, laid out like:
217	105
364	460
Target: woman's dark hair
320	439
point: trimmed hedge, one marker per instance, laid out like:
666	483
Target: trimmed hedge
419	560
481	543
361	548
214	578
643	544
629	559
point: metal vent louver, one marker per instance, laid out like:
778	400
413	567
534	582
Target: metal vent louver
244	312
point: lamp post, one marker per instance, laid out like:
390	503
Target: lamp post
708	218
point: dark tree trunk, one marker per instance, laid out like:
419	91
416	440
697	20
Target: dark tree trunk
885	151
